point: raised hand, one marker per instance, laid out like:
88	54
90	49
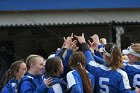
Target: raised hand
95	39
103	41
91	46
73	47
68	41
81	39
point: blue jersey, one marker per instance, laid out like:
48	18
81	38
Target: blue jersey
11	87
57	85
32	84
107	79
133	72
75	81
64	54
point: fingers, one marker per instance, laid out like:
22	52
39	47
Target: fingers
63	44
95	39
82	34
48	81
73	46
76	36
95	36
89	42
79	36
64	38
103	41
72	35
81	39
75	41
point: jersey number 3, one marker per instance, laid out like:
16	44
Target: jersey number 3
105	88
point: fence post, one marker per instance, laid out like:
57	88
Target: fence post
119	32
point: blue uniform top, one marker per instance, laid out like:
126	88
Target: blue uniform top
11	87
57	85
64	55
32	84
133	72
75	81
107	79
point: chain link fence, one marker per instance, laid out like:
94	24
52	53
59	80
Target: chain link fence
16	43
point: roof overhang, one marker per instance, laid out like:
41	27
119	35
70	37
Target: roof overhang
18	18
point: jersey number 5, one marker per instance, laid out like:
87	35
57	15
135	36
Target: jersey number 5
103	85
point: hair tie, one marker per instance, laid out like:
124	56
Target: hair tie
112	49
77	64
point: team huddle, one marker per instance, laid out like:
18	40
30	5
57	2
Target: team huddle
88	67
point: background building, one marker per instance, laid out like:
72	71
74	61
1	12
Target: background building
38	26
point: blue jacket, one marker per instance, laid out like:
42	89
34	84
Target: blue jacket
32	84
11	87
57	85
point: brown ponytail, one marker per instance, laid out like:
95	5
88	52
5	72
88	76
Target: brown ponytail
78	61
85	78
115	60
11	73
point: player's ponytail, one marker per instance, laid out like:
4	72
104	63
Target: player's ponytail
78	61
114	55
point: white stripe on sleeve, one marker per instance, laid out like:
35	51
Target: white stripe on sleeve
70	79
57	88
125	78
